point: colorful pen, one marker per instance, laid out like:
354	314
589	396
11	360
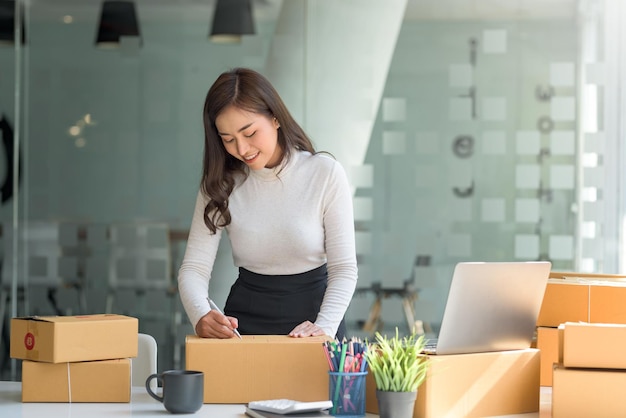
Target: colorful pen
214	306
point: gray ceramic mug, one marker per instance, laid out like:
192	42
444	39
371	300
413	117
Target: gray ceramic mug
183	390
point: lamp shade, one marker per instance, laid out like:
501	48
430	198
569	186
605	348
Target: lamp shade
117	19
231	20
7	23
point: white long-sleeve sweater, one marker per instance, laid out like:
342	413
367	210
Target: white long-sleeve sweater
285	224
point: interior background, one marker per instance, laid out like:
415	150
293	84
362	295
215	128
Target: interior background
470	130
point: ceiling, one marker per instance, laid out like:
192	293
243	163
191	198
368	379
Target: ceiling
269	9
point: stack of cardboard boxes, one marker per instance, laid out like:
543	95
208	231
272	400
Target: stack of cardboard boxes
575	297
590	376
75	358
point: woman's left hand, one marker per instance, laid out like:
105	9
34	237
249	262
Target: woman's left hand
306	329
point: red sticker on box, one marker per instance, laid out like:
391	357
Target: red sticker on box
29	341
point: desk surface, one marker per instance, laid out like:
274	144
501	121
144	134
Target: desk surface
142	405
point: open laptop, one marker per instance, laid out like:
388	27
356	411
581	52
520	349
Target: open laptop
491	307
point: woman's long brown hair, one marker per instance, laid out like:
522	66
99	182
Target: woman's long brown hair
247	90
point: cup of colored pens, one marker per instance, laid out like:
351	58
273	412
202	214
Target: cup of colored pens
347	371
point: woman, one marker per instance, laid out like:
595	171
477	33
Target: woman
288	214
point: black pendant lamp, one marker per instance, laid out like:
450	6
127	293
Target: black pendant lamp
231	20
117	19
7	22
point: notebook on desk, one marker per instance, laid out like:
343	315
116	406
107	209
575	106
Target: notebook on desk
491	307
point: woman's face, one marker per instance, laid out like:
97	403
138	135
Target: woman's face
249	137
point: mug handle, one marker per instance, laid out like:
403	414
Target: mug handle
154	395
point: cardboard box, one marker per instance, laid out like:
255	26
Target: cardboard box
607	303
564	300
475	385
92	381
259	367
583	300
588	393
60	339
548	344
587	345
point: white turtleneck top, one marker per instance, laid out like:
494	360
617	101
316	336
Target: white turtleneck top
286	220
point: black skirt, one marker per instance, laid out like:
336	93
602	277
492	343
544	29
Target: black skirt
275	305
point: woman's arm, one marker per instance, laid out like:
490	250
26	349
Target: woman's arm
195	271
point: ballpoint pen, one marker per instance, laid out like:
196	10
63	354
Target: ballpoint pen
214	306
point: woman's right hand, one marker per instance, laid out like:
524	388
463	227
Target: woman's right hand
216	325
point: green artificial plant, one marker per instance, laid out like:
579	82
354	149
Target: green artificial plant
397	363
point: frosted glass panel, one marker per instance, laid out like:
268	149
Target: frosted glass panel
493	210
527	247
425	174
363	242
527	210
593	211
595	73
494	143
460	174
527	176
394	143
494	108
528	142
394	109
427	143
363	208
562	142
461	75
562	74
594	142
563	108
494	41
460	245
593	177
460	108
562	177
561	247
363	176
461	210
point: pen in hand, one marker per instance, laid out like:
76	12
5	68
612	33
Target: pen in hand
214	306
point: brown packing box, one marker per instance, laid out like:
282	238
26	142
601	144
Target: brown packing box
564	300
607	303
588	393
582	299
475	385
91	381
60	339
587	345
259	367
548	344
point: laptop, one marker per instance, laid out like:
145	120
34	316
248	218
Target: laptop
491	306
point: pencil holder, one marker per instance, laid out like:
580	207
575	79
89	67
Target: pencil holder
347	392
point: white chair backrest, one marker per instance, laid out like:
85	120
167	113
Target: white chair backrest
145	363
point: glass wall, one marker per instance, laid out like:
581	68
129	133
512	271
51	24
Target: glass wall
471	131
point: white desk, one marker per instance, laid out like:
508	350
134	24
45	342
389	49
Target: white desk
142	405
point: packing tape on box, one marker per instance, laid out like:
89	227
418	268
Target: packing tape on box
69	384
